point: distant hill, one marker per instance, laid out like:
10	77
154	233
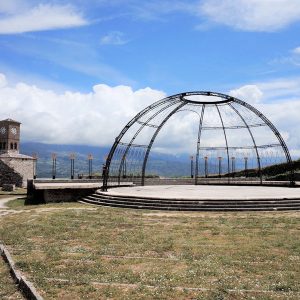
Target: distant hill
160	164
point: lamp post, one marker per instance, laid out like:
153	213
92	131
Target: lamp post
72	160
90	159
124	168
220	165
206	166
246	166
233	165
35	157
53	155
192	166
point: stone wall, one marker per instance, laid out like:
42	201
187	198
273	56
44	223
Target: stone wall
65	195
16	171
9	176
57	193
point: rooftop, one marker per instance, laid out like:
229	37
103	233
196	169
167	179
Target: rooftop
14	155
10	120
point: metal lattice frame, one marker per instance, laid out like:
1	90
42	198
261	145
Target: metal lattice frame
132	156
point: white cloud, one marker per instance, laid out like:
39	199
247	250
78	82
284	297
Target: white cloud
11	6
93	118
296	50
156	9
251	93
293	58
279	101
96	118
3	81
41	17
113	38
252	15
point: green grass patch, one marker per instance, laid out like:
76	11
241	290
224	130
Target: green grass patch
77	251
8	289
16	203
17	191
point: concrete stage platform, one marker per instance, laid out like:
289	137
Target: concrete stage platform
207	192
199	198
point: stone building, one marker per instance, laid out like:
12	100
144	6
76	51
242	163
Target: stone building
15	168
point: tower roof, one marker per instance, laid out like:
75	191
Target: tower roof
10	120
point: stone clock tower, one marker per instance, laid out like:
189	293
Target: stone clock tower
15	168
9	136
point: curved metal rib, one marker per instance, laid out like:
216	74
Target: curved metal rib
253	140
277	134
122	133
198	144
224	131
155	135
138	132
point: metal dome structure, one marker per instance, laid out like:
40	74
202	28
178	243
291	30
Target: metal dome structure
231	142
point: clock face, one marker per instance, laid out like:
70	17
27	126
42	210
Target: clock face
13	130
2	130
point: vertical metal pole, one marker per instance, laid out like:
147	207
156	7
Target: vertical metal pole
198	144
105	177
124	168
246	166
53	165
90	160
91	168
192	165
34	165
206	166
233	166
73	163
72	159
33	171
220	166
226	142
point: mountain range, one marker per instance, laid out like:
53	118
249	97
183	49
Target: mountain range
160	164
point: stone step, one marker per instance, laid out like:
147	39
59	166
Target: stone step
164	202
193	202
104	195
183	205
194	208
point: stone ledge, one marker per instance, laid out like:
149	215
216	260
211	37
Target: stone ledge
66	185
26	287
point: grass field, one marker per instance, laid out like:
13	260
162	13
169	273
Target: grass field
77	251
8	290
17	192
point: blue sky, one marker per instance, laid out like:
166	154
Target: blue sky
168	45
248	47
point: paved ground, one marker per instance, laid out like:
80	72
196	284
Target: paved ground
208	192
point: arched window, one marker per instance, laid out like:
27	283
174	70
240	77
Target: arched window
4	145
0	146
11	146
16	146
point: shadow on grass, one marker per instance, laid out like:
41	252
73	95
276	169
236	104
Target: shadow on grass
29	201
21	202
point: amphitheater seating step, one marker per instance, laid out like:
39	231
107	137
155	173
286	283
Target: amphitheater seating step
123	201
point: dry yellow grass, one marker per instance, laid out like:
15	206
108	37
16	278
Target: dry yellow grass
77	251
